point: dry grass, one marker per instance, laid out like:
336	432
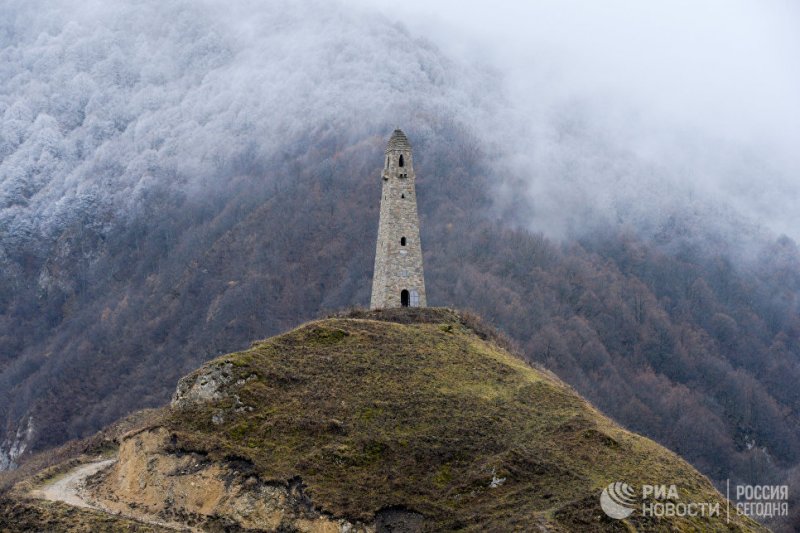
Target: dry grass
48	463
22	515
417	409
420	409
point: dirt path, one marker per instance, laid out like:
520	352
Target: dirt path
67	489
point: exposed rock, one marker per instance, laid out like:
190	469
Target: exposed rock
152	480
12	449
203	386
398	520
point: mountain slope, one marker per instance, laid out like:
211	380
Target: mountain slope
174	184
642	333
418	418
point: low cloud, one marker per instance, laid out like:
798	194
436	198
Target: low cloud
614	114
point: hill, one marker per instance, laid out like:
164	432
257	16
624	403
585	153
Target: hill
148	225
412	420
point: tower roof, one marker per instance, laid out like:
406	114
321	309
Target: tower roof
398	141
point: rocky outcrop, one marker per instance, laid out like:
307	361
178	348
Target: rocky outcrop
203	386
12	448
152	480
208	384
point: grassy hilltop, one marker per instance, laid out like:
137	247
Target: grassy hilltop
420	416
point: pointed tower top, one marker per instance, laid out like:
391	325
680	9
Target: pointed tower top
398	141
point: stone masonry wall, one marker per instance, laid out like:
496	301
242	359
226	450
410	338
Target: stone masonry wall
398	267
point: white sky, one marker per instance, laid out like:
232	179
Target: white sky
651	74
731	66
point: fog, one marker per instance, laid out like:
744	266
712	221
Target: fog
102	102
650	104
127	126
628	113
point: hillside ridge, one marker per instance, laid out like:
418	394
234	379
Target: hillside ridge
371	421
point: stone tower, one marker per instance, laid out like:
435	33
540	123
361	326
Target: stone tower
398	280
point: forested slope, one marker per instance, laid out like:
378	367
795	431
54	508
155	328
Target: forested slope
145	231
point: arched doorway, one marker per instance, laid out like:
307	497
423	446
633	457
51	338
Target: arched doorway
404	298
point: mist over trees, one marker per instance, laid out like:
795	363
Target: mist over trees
178	179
